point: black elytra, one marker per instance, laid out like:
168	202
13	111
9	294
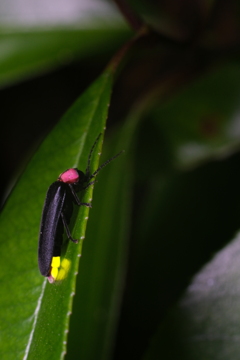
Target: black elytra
57	212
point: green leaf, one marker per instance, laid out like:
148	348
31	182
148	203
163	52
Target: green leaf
103	266
205	323
35	314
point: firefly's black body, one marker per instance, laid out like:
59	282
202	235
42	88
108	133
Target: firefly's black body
59	200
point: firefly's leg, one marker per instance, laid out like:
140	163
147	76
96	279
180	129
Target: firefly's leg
77	198
67	229
89	184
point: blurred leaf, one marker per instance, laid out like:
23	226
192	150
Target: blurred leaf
205	323
180	219
29	52
203	120
34	314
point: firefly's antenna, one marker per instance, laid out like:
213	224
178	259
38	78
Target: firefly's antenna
90	155
104	164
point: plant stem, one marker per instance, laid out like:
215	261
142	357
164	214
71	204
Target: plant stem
134	21
117	58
